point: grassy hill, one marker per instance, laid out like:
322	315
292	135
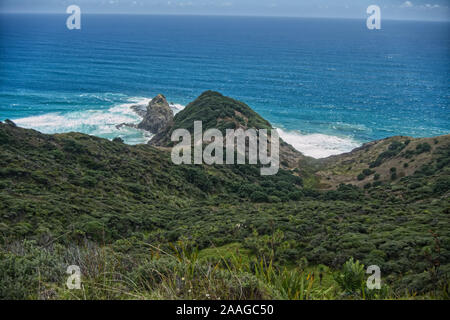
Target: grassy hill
140	227
386	160
215	111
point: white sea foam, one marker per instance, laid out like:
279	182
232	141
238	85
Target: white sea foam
126	107
318	145
176	107
100	123
94	122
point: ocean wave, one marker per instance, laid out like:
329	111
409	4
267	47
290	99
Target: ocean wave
125	108
318	145
349	127
176	107
102	123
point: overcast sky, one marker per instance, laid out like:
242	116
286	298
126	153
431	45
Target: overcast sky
391	9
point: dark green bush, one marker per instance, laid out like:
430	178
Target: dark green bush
423	147
394	149
442	185
258	196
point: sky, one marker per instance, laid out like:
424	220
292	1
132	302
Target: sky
390	9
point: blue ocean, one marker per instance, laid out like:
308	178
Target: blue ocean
328	85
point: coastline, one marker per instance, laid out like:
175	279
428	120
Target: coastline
121	120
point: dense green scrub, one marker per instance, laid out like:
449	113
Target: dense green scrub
127	210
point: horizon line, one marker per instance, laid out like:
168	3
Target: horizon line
222	15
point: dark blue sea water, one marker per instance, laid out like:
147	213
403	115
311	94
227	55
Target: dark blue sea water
329	85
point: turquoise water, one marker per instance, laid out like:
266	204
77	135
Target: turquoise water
328	85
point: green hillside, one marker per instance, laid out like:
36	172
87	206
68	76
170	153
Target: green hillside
387	160
215	111
142	228
221	112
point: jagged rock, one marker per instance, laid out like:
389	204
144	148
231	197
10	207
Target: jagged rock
141	110
11	123
130	125
158	116
118	140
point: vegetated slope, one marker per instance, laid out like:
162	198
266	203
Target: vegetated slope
73	189
370	165
70	178
386	160
215	111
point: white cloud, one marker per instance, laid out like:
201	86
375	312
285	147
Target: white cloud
432	6
407	4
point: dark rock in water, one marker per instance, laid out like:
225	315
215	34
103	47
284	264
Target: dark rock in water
131	125
118	140
141	110
158	116
11	123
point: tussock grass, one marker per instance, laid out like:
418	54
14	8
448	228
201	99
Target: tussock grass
30	271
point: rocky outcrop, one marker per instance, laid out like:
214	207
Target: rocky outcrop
9	122
158	115
141	110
